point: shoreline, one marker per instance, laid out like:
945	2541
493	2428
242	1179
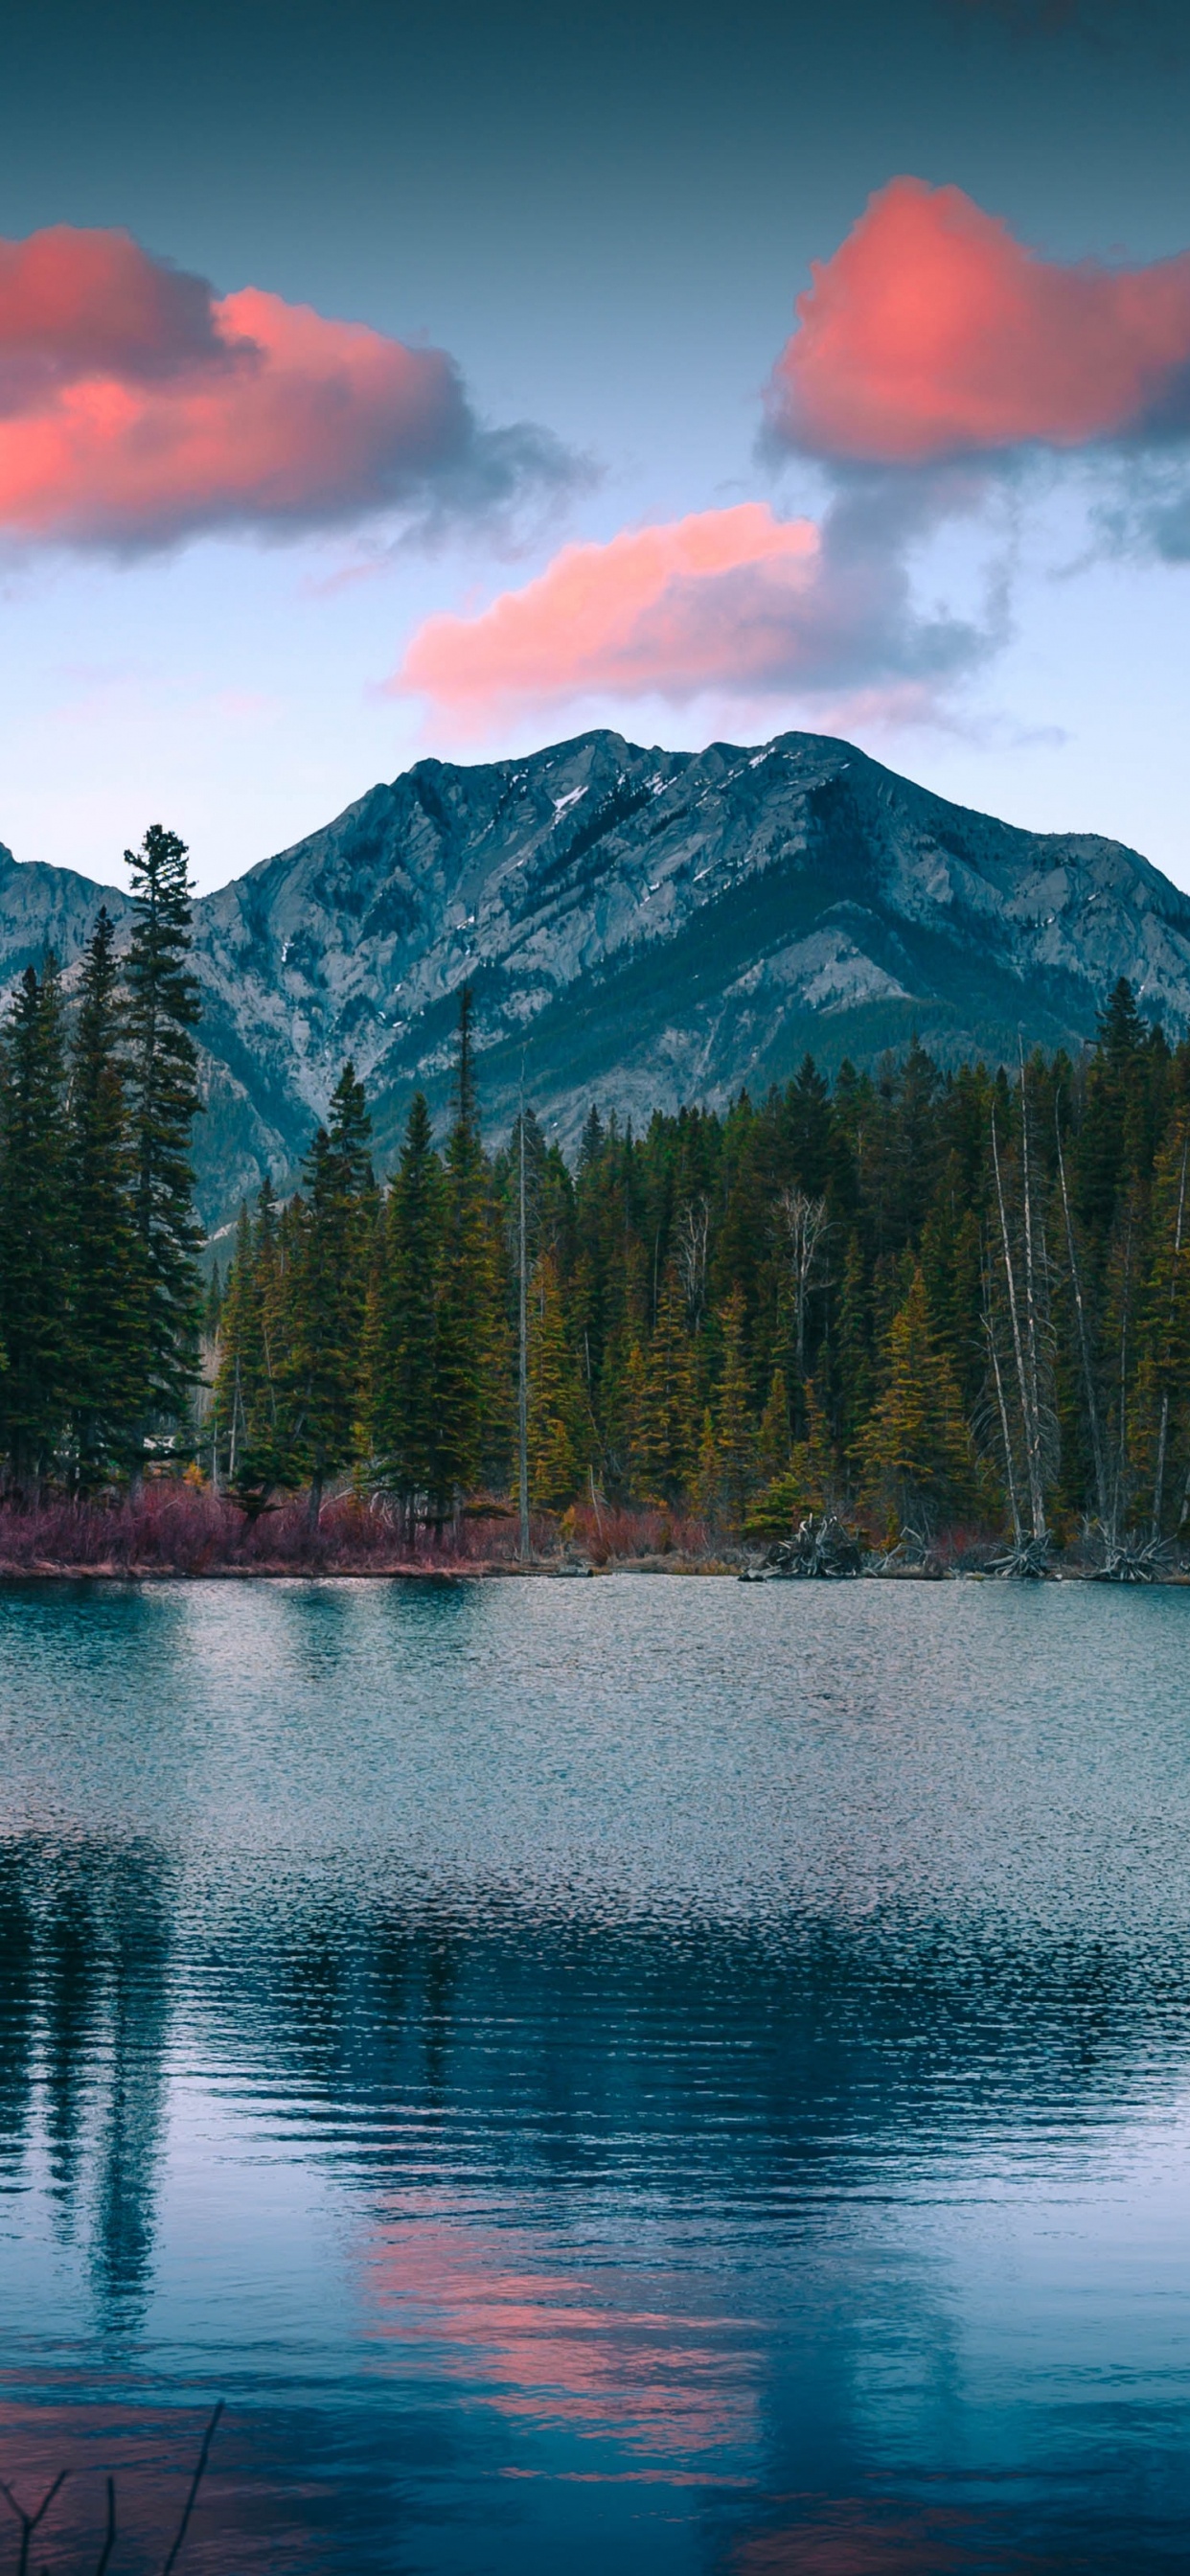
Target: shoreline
496	1569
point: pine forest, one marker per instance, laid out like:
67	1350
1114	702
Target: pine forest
924	1301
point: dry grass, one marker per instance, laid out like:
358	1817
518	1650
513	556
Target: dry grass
174	1528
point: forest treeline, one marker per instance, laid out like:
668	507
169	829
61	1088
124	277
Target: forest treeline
918	1297
98	1241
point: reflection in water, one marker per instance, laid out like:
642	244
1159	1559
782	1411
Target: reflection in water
640	2069
84	1939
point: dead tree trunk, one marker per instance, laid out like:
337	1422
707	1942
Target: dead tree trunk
1163	1435
1084	1343
1030	1420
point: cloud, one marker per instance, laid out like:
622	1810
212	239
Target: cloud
933	333
732	601
137	407
1147	513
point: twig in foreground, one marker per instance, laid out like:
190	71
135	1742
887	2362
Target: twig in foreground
29	2521
195	2483
109	2541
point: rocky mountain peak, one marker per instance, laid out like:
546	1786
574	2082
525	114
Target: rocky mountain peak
640	926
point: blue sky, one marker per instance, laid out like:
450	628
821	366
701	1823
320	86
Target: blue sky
604	219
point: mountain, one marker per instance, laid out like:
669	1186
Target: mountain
640	928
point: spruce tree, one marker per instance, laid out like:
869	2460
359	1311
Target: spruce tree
238	1338
467	1322
773	1438
734	1435
161	1074
559	1442
105	1313
328	1290
668	1434
34	1384
915	1451
403	1394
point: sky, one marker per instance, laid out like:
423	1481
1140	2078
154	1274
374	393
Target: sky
378	382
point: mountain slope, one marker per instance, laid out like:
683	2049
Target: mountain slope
643	927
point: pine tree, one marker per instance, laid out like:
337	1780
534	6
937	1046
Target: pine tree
667	1432
163	1097
559	1448
468	1306
709	1475
734	1437
853	1357
915	1452
806	1481
34	1251
772	1440
238	1348
630	1415
104	1310
404	1394
272	1457
328	1289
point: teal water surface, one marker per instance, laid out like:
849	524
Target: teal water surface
655	2074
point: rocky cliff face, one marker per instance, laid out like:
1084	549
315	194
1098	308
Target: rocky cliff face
640	927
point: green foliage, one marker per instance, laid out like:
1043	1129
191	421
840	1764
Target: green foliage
403	1392
34	1257
925	1294
106	1281
161	1075
560	1444
915	1453
467	1306
328	1299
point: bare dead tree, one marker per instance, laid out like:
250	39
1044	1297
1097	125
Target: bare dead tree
1032	1286
1013	1309
1084	1339
692	1235
1163	1434
1028	1317
989	1326
804	1224
1120	1485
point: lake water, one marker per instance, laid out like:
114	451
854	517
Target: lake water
640	2074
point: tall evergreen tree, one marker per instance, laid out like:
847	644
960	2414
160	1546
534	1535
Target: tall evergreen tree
403	1394
161	1073
558	1449
34	1384
734	1435
915	1451
467	1304
328	1288
669	1419
105	1311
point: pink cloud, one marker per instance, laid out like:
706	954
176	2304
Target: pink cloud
137	406
932	332
732	600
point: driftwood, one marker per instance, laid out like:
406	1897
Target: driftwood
1028	1562
821	1547
906	1555
1133	1560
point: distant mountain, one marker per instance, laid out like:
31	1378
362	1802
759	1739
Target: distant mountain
642	928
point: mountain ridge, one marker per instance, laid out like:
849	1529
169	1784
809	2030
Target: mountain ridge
642	926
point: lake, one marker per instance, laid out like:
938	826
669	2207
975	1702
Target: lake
660	2074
